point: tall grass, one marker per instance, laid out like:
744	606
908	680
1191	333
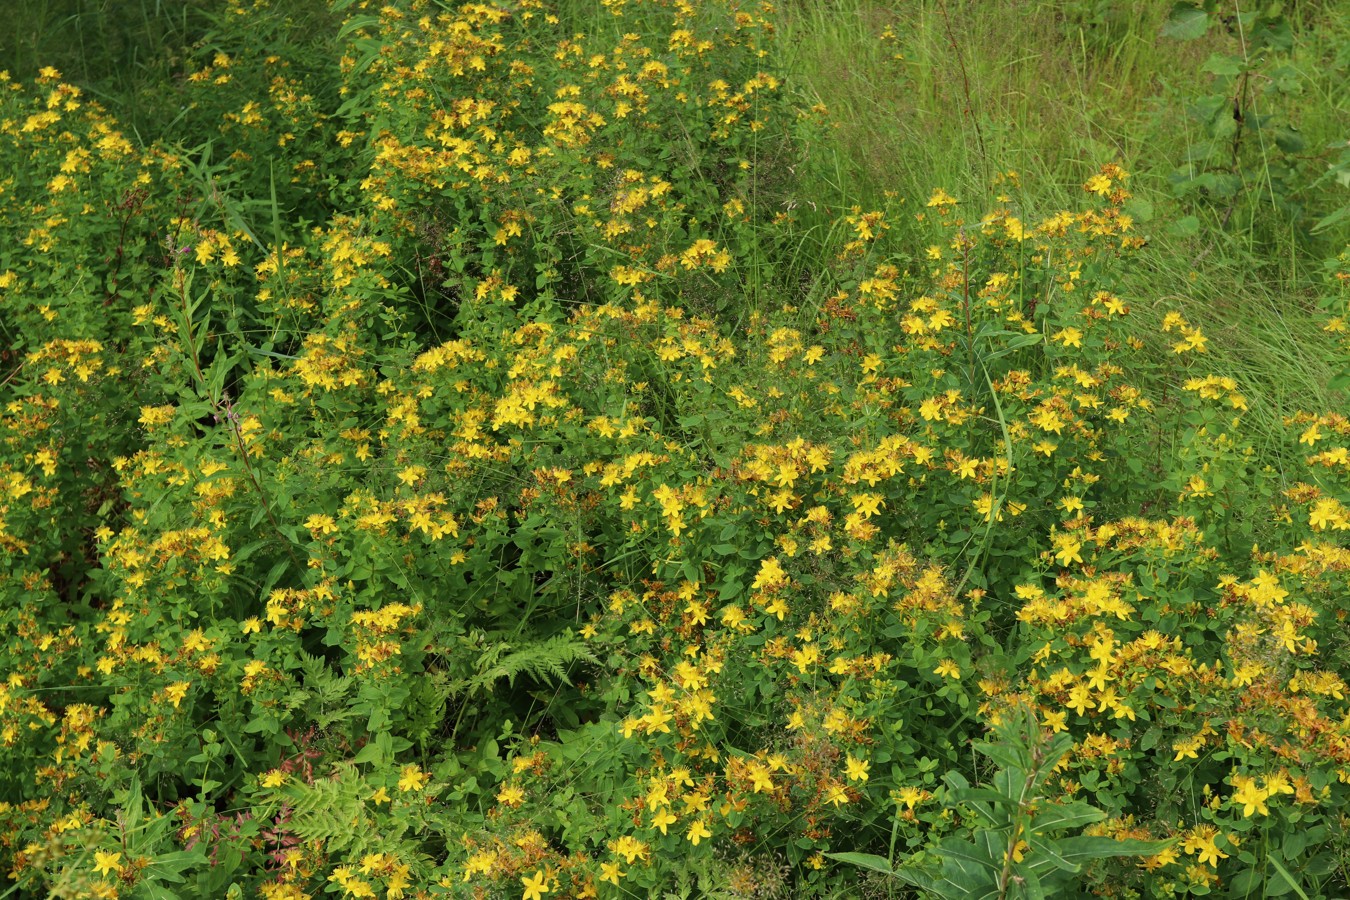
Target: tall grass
953	92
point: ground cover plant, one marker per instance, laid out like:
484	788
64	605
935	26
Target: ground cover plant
542	449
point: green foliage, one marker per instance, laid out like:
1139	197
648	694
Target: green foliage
483	450
1250	152
1016	851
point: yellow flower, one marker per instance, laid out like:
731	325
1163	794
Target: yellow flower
105	862
910	796
412	779
867	505
662	819
1192	339
273	779
1069	337
856	769
760	778
1071	504
698	831
610	872
941	199
1098	184
1250	797
1068	550
630	848
1201	841
321	523
535	887
176	692
771	574
948	669
1080	699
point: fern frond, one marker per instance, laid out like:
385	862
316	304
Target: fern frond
545	661
332	810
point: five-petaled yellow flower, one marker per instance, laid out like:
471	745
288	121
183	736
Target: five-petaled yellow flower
610	872
412	779
105	862
948	669
536	886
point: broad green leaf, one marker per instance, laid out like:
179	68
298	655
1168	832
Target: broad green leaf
1005	755
1282	882
1187	23
1066	816
1084	848
1047	852
864	861
967	855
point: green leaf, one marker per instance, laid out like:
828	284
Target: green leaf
1065	816
967	795
1218	64
966	855
1031	885
1290	883
1012	345
864	861
938	885
1140	209
169	866
1188	226
951	883
1005	755
1331	220
1084	849
1047	851
1186	23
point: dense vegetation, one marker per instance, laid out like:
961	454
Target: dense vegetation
667	448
